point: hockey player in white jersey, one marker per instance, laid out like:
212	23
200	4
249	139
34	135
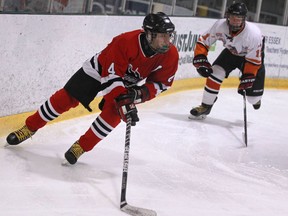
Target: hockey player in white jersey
244	49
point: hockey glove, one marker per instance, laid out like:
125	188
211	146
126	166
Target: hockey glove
202	65
141	93
246	82
126	108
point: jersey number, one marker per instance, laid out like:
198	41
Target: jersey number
111	69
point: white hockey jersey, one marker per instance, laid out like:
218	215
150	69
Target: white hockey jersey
247	42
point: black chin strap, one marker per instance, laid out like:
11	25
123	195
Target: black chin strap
148	51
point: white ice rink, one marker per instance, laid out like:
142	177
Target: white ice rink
178	167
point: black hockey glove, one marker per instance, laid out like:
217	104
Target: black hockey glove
126	108
202	65
141	93
246	82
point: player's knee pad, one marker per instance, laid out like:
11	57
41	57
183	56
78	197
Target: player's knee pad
110	113
61	101
218	72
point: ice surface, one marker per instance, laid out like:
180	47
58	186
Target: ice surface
177	167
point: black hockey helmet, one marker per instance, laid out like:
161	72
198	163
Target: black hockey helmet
158	23
237	9
240	10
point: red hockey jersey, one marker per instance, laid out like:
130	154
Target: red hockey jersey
123	64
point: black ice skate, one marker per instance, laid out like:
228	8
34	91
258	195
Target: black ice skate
257	105
200	112
19	136
73	153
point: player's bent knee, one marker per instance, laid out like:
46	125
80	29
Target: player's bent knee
62	101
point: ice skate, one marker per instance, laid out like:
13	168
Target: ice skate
257	105
73	154
200	112
19	136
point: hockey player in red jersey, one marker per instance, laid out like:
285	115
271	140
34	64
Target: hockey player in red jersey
244	49
145	55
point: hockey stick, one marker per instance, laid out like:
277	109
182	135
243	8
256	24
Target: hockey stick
124	206
245	119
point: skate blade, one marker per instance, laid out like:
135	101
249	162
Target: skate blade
201	117
65	163
6	145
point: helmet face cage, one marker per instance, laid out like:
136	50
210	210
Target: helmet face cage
238	10
158	23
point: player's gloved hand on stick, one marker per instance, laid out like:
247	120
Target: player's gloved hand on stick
126	107
202	65
246	82
140	93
